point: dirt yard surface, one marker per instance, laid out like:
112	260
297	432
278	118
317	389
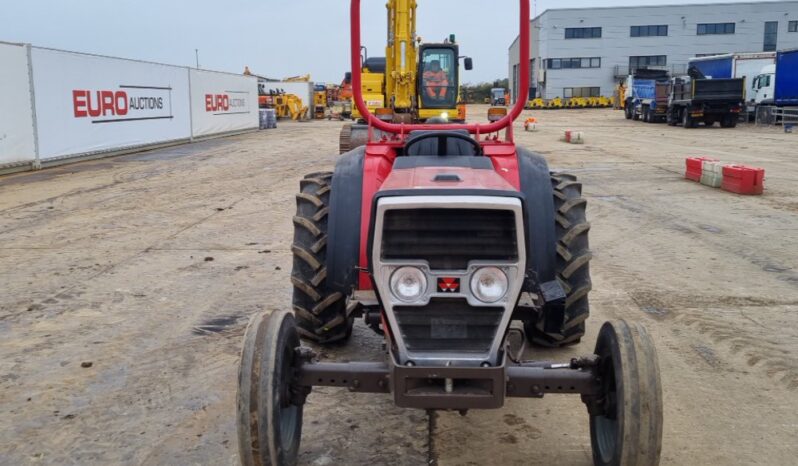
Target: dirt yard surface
127	282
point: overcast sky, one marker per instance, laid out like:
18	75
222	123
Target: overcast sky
276	38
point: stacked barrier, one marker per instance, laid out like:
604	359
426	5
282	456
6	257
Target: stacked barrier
573	137
742	179
738	179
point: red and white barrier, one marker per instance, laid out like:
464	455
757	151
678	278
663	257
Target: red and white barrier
742	179
574	137
711	174
738	179
695	167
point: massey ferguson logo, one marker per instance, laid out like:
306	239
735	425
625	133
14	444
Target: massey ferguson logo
127	103
227	103
448	284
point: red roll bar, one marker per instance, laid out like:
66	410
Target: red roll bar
473	128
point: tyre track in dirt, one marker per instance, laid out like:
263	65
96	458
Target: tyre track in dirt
190	242
756	346
162	323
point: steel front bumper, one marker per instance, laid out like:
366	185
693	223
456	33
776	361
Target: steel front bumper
456	388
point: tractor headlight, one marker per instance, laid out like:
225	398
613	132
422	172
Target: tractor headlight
445	115
408	284
489	284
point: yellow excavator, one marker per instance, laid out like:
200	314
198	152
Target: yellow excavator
413	83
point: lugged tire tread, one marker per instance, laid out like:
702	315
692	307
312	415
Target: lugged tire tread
321	315
572	263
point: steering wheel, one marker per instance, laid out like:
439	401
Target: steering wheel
442	137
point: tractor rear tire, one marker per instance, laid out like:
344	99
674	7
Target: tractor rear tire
321	314
572	264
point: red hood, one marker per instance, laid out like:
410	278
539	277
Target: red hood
445	178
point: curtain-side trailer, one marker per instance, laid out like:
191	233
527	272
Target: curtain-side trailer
736	65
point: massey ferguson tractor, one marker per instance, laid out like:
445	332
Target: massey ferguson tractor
440	236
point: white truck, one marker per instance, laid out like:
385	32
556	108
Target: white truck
777	84
736	65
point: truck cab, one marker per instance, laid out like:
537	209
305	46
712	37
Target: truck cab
763	87
498	96
646	95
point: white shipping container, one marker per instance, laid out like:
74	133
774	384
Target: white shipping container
17	144
222	102
89	103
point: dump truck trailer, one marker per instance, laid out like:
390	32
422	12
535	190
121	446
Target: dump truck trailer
644	96
736	65
655	109
695	100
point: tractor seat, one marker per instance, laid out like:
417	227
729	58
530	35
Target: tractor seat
441	144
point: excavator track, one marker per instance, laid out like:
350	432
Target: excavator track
344	140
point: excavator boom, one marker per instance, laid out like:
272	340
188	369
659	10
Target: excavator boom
401	54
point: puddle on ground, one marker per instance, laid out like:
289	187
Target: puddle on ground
655	311
175	152
775	268
707	354
710	228
216	325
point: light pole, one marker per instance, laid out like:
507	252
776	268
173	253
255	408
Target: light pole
196	55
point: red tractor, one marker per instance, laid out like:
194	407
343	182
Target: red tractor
440	236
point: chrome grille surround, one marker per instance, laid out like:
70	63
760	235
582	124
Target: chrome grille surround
382	270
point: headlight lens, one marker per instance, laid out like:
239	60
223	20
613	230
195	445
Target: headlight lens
408	284
489	284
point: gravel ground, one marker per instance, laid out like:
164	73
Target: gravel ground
127	283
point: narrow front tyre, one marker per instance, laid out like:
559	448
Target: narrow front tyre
269	407
626	425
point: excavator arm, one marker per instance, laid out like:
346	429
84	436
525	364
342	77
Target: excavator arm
401	55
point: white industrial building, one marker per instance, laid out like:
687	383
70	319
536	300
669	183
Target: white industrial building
583	52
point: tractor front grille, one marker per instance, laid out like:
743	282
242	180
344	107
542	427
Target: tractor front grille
448	325
449	238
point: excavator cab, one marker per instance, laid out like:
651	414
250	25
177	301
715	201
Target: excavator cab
438	71
439	82
415	83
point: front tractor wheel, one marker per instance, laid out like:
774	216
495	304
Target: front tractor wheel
321	313
269	406
626	420
572	264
